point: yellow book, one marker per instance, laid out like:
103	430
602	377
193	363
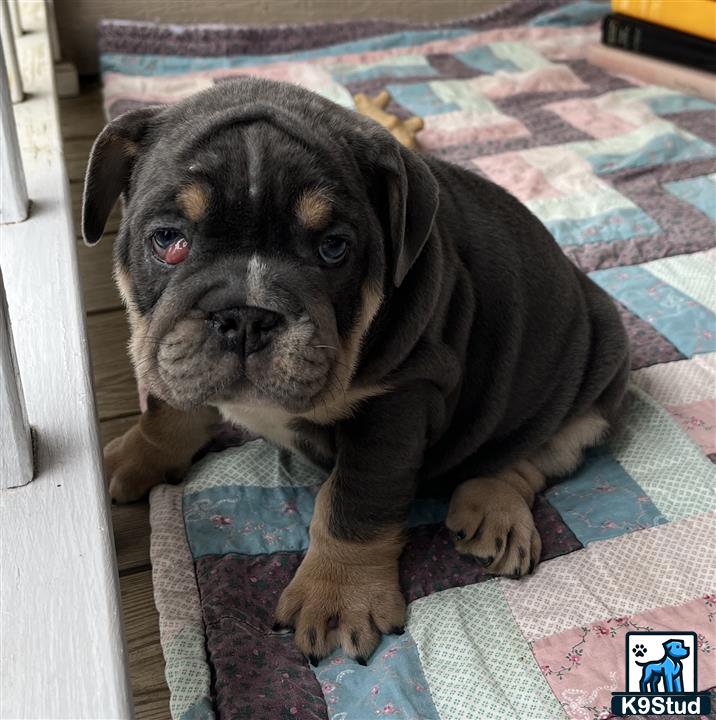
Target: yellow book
697	17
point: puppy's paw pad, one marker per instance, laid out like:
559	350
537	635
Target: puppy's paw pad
491	521
639	650
331	605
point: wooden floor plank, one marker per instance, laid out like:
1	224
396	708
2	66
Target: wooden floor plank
115	385
77	151
82	116
131	535
146	663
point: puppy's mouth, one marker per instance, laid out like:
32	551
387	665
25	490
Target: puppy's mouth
242	355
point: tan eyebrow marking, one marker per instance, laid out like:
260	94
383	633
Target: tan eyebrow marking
194	201
313	208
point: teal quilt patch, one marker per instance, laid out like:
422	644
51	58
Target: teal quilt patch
601	501
688	325
393	684
699	192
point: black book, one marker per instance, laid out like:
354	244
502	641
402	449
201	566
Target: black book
628	33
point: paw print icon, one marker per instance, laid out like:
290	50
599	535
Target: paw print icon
639	650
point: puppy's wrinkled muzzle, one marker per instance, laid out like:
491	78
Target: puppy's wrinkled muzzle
245	330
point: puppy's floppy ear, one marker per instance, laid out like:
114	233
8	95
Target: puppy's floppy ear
412	204
110	167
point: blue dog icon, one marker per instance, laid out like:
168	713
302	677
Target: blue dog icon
669	669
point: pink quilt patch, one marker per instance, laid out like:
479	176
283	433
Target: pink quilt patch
553	78
511	170
584	114
466	126
699	421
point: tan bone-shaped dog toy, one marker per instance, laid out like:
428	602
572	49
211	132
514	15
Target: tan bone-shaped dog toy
404	131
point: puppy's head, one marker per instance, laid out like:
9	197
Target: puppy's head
263	228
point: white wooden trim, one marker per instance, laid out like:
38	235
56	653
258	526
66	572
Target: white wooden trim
7	50
52	30
15	18
62	651
13	189
16	461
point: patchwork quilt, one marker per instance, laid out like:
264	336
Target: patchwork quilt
624	176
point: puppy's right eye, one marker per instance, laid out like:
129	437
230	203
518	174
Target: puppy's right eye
169	246
333	249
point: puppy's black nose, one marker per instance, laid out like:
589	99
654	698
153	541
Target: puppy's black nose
245	330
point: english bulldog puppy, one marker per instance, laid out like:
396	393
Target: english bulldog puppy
407	325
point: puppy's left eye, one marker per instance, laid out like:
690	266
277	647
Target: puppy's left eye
333	249
169	245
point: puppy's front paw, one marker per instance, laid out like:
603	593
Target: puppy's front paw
331	603
491	520
133	466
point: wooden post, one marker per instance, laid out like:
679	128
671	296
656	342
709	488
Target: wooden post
11	71
16	456
13	198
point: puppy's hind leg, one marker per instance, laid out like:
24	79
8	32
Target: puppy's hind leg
565	451
491	517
